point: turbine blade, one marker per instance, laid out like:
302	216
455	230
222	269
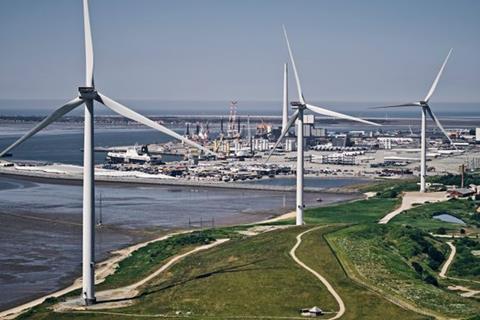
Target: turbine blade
297	79
45	122
285	97
88	46
410	104
284	133
435	82
128	113
439	125
339	115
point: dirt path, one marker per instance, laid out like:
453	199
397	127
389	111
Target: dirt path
411	198
446	265
121	297
329	287
467	292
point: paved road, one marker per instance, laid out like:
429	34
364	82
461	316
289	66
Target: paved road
329	287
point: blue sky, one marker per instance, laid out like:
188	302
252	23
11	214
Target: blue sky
218	50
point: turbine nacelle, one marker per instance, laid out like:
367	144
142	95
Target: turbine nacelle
87	93
298	105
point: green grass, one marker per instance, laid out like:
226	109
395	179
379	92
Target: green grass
245	277
146	260
382	257
421	216
396	184
361	211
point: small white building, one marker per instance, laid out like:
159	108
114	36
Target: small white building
312	312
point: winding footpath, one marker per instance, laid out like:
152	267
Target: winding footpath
329	287
446	265
120	297
467	292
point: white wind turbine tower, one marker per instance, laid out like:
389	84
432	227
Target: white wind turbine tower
300	107
424	104
88	94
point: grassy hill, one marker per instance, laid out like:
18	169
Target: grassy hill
401	262
361	211
252	276
380	271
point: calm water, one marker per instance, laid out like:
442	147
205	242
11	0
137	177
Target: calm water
40	229
65	146
449	218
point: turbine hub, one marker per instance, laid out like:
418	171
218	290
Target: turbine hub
87	93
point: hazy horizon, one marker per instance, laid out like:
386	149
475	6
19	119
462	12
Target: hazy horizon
157	107
218	50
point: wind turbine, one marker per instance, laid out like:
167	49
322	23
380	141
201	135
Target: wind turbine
424	104
87	95
297	116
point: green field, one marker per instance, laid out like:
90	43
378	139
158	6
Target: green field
361	211
398	185
147	259
245	277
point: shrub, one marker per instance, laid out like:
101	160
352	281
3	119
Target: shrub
441	230
391	193
434	264
418	267
430	279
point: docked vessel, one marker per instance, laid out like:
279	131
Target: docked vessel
136	155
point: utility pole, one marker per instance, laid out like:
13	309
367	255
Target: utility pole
100	203
462	173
